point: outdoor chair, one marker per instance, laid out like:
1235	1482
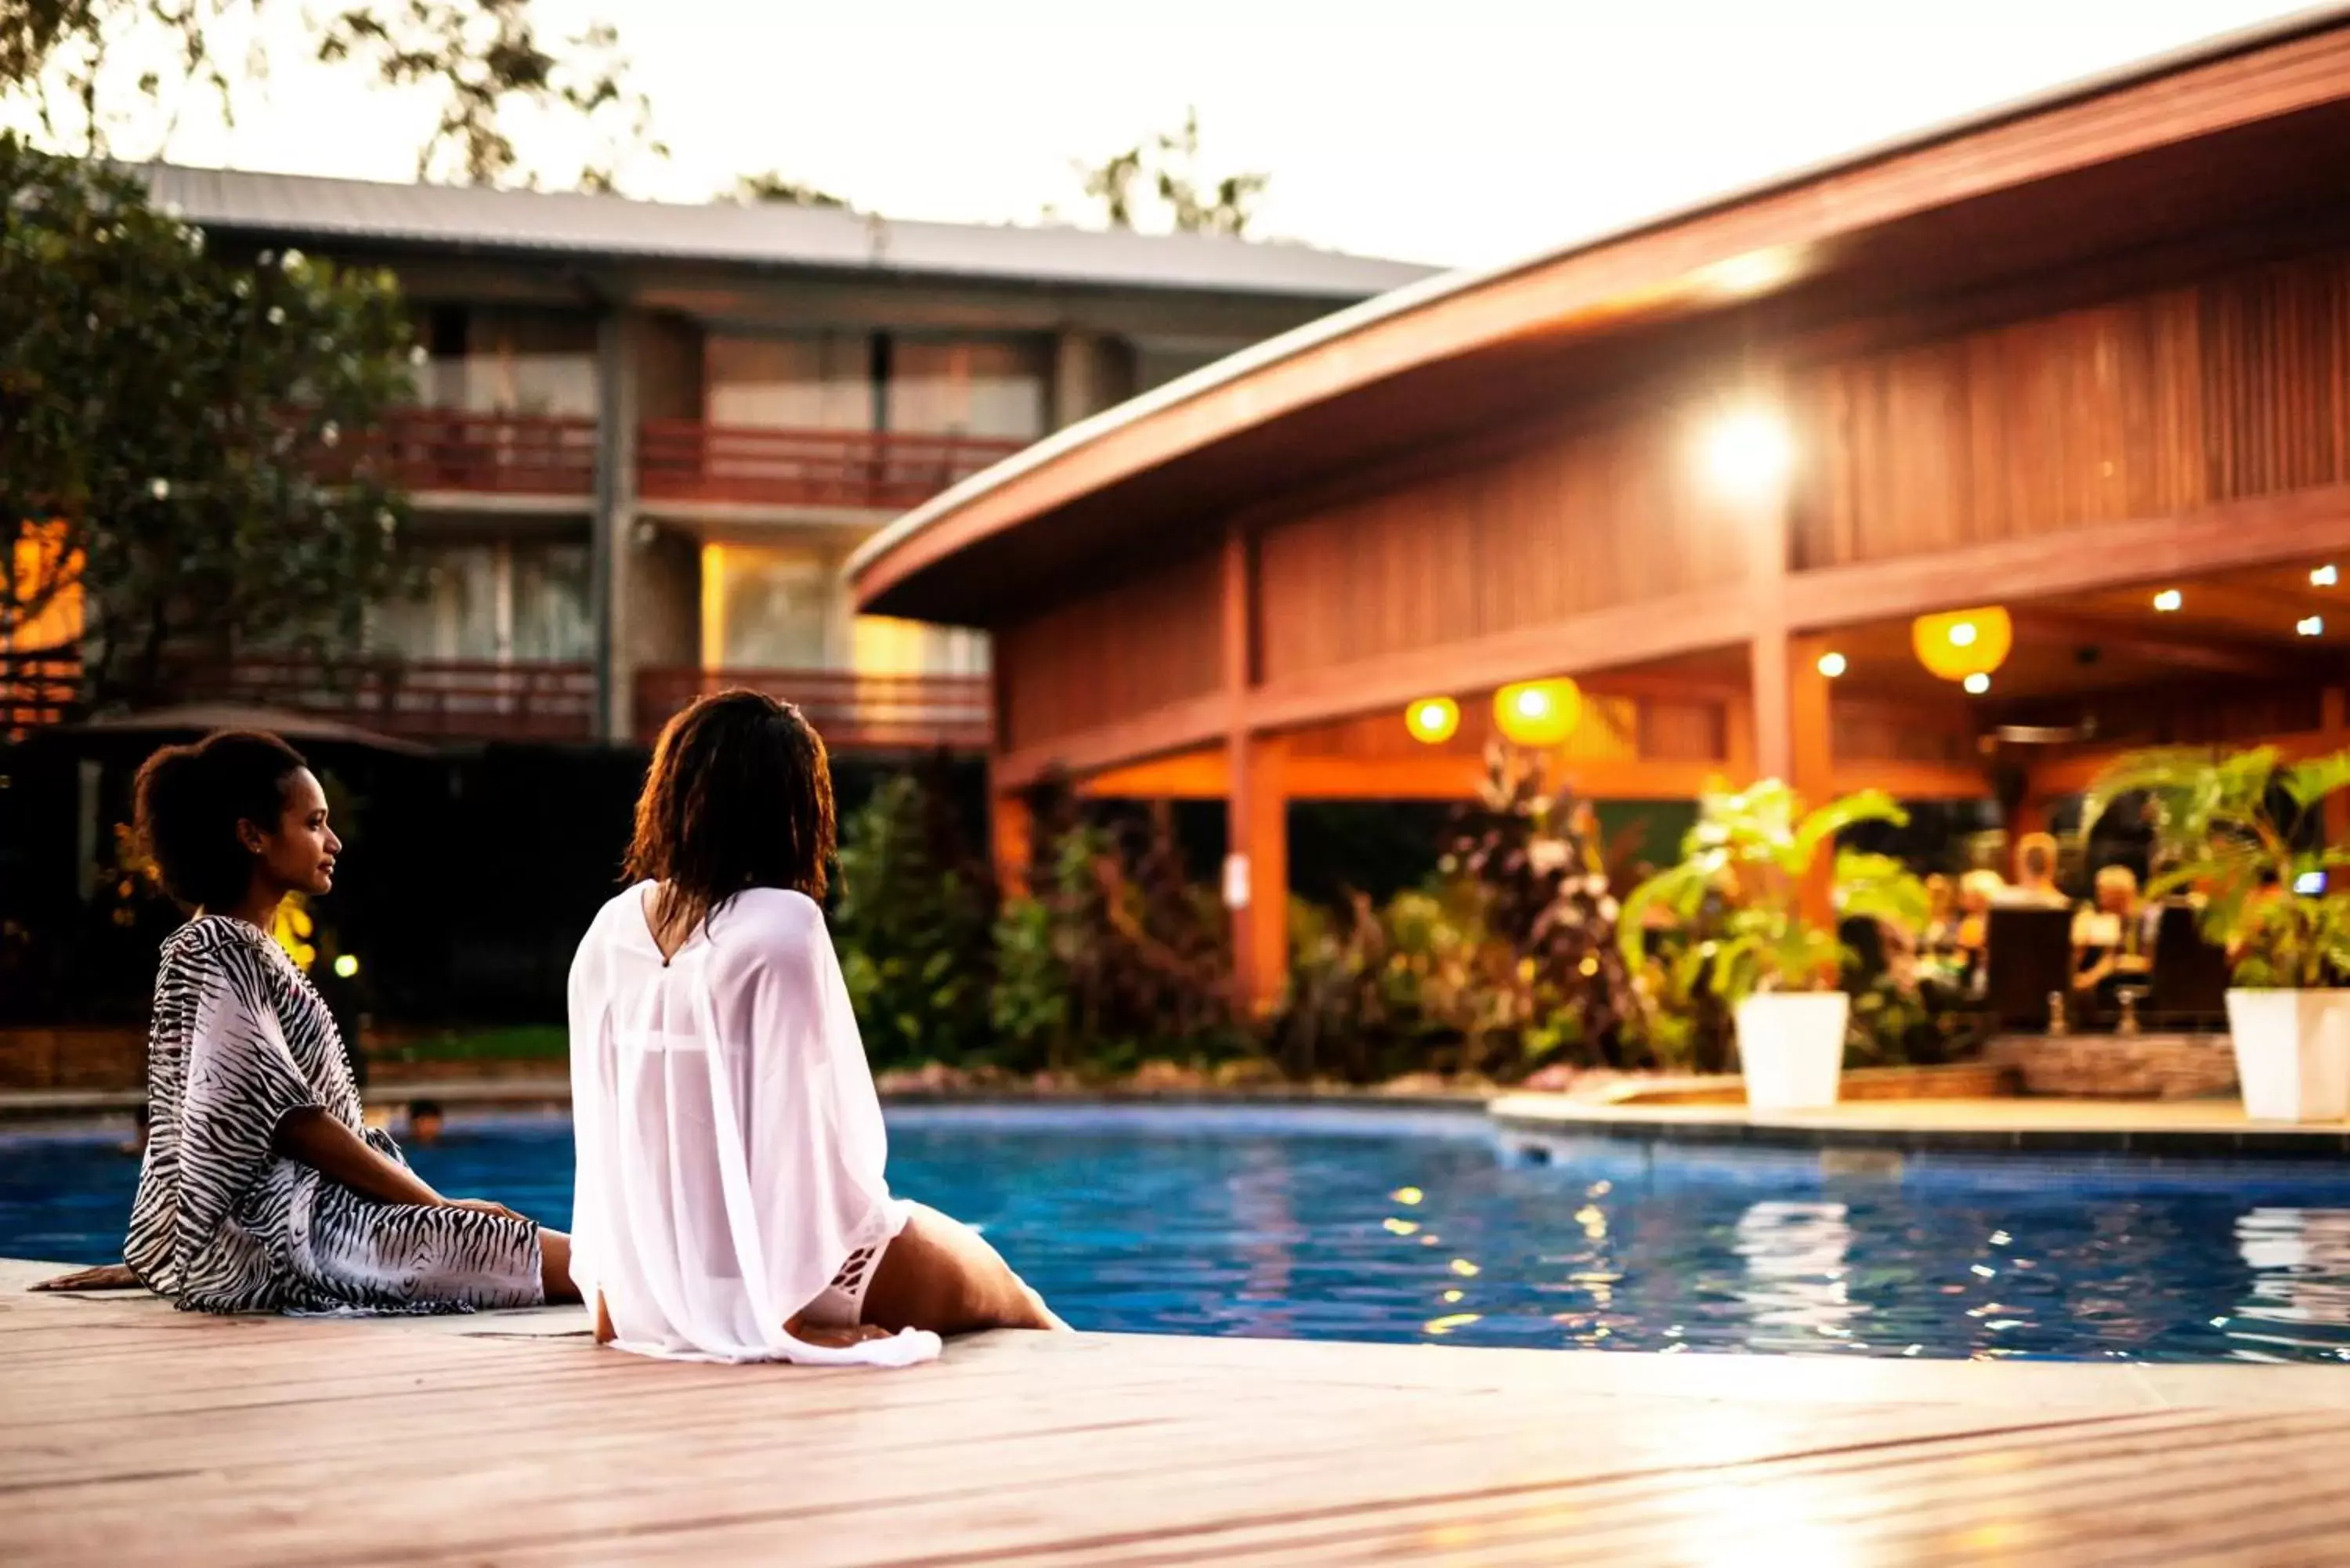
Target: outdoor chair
2188	986
2029	957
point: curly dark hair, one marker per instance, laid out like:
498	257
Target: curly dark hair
739	795
190	800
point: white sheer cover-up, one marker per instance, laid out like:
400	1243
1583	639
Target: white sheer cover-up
731	1147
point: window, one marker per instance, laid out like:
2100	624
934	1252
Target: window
884	645
821	381
508	360
969	386
45	575
495	602
768	608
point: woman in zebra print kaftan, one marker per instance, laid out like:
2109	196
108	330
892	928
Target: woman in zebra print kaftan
263	1190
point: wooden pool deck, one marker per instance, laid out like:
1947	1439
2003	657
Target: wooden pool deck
130	1434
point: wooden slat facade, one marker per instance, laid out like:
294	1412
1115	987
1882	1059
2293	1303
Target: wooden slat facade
2144	407
1127	646
1595	518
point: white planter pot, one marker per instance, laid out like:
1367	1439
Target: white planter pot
1791	1048
2292	1054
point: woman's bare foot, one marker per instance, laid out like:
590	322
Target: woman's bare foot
835	1336
940	1274
105	1277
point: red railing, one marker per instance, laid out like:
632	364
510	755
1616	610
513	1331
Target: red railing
851	711
420	700
495	454
685	460
36	690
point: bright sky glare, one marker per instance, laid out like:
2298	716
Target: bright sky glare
1467	132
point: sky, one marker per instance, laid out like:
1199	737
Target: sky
1466	132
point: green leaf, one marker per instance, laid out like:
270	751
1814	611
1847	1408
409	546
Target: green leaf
1821	827
2307	783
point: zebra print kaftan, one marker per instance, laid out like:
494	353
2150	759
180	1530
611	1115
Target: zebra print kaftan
240	1040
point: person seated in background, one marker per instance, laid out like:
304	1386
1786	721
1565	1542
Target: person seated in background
425	1120
1978	890
2109	932
2036	877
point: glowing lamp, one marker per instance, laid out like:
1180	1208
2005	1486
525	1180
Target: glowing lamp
1748	454
2168	600
2311	626
1963	643
1977	684
1833	665
1538	712
346	965
2323	577
1432	719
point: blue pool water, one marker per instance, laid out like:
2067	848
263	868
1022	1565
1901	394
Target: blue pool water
1408	1226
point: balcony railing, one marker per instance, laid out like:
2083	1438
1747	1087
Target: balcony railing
418	700
851	711
486	455
685	460
36	690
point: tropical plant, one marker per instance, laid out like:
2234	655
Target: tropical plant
187	468
1507	960
912	924
1556	984
2243	835
1115	955
1743	872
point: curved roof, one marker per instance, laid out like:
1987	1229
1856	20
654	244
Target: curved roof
1809	227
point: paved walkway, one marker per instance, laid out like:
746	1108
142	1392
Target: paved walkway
130	1434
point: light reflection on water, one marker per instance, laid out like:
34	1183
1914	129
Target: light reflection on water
1400	1226
2298	1300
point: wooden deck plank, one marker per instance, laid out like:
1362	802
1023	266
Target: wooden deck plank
140	1436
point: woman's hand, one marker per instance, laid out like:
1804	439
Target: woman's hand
484	1206
105	1277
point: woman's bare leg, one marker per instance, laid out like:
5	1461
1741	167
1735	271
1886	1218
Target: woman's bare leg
940	1274
555	1266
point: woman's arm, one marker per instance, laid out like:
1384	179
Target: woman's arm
332	1150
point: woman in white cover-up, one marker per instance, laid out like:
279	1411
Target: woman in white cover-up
732	1203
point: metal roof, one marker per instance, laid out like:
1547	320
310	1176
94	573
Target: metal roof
763	235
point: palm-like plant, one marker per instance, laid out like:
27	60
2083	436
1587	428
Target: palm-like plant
1741	878
2232	830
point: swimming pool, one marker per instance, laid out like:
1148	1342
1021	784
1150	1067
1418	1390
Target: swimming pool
1338	1223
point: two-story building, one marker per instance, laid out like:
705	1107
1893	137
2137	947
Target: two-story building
647	436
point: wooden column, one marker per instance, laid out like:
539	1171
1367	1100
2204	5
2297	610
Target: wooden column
1260	927
612	585
1256	859
1811	723
1771	711
1011	841
1810	758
